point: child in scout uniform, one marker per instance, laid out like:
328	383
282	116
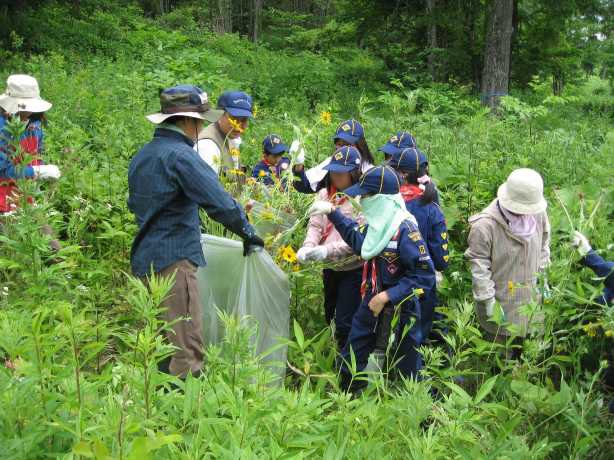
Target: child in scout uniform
270	169
603	269
323	243
397	270
397	143
419	196
349	133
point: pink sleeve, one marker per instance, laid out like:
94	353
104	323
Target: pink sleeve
315	229
338	249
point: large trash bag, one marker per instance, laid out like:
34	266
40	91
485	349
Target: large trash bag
254	288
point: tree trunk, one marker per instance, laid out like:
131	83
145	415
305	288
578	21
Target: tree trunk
256	18
471	17
558	83
496	72
326	8
222	16
432	39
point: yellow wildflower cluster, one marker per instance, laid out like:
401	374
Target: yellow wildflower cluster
288	254
326	118
590	329
236	124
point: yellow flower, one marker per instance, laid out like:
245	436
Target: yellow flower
609	333
268	216
262	173
510	287
590	329
288	254
325	117
236	125
255	111
238	172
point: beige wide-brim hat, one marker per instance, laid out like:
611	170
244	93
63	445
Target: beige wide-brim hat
184	101
23	95
210	115
523	192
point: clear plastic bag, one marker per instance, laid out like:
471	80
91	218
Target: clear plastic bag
254	288
268	221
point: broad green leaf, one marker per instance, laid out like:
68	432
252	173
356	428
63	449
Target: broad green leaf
485	389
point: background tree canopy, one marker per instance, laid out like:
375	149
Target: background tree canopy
415	42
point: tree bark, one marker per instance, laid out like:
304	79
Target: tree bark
496	72
432	39
222	16
256	18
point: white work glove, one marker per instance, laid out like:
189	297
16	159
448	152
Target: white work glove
294	146
438	279
302	254
47	172
580	243
489	305
320	207
298	152
318	254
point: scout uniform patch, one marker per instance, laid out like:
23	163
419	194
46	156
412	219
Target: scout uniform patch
415	236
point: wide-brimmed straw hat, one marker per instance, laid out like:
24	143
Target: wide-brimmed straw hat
523	192
184	101
23	95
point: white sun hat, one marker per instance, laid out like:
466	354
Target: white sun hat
23	95
523	192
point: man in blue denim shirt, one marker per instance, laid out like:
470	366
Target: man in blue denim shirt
168	182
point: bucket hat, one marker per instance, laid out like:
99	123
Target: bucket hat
23	95
523	192
184	101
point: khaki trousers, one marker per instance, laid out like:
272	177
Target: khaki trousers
183	303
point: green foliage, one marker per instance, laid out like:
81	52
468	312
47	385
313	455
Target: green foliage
79	339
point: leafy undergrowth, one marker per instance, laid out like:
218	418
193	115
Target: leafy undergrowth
80	338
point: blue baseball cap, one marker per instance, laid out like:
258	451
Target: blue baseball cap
379	179
408	160
401	140
236	103
273	145
345	159
349	131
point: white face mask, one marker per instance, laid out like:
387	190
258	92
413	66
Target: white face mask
235	143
